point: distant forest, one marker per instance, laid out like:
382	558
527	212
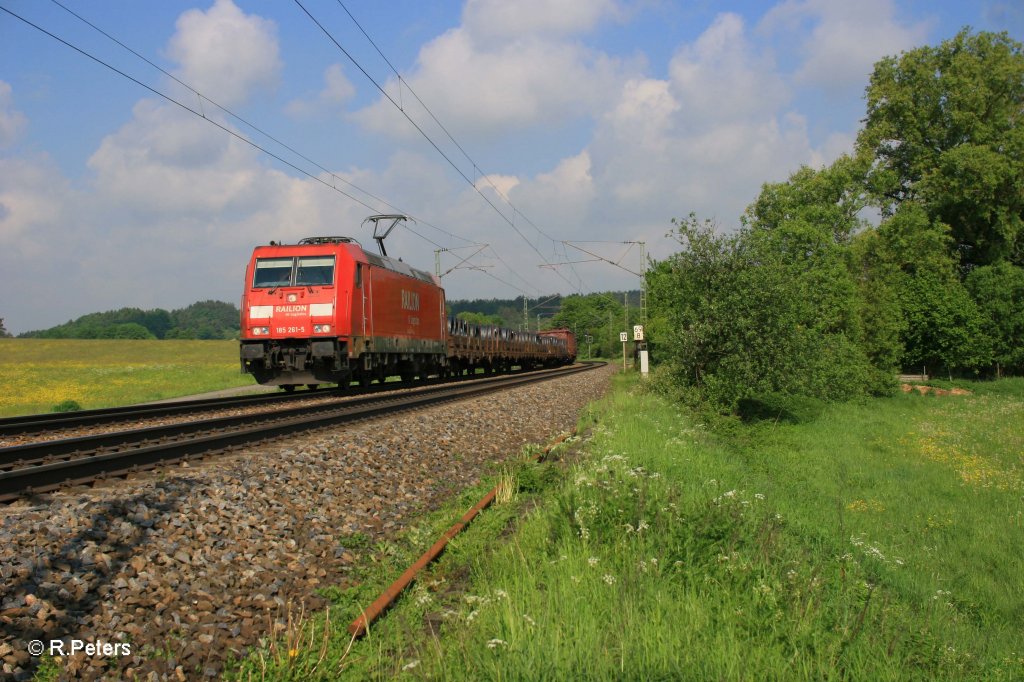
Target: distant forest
509	312
219	320
202	320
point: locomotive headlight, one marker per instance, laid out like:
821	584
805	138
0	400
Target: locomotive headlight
260	331
321	328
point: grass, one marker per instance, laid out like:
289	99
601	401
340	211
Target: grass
40	374
879	540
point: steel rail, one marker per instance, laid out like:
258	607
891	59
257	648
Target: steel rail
47	421
38	471
41	452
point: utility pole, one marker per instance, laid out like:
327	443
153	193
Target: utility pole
526	313
643	284
625	306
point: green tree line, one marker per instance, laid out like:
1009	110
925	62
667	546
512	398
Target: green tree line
202	320
582	313
809	297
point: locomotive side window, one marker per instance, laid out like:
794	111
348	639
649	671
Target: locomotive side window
359	275
272	272
314	270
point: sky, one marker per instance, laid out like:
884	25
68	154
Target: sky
147	147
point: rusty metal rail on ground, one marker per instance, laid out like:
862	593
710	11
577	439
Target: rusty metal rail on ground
361	625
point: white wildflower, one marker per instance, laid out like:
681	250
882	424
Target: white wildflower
495	643
410	665
610	579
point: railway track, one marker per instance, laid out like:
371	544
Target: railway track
27	425
40	467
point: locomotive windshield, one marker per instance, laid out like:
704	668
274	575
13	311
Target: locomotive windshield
272	272
301	271
314	270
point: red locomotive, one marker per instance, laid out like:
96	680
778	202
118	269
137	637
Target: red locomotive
327	311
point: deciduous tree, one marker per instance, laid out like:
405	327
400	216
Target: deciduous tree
945	128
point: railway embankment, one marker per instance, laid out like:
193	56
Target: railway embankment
192	566
868	540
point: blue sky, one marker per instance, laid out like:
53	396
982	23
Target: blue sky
586	120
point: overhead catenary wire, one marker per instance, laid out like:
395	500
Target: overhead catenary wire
199	111
225	128
451	137
430	140
187	108
401	81
259	130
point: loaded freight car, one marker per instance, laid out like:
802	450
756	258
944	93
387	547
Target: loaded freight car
327	311
566	343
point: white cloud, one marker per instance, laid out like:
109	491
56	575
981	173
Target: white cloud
502	184
474	90
723	77
336	93
32	196
166	159
12	121
846	41
224	53
509	65
704	139
499	19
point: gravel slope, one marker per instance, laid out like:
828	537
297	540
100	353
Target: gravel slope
198	562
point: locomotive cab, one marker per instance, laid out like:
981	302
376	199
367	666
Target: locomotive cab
290	326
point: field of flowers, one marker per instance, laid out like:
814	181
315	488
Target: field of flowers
878	540
42	373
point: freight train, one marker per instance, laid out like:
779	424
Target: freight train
325	310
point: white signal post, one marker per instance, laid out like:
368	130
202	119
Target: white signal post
638	337
623	337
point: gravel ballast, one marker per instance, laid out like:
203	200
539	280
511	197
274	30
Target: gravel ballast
193	564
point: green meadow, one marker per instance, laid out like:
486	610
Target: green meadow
42	373
872	540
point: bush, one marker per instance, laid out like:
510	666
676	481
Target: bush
758	312
66	406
